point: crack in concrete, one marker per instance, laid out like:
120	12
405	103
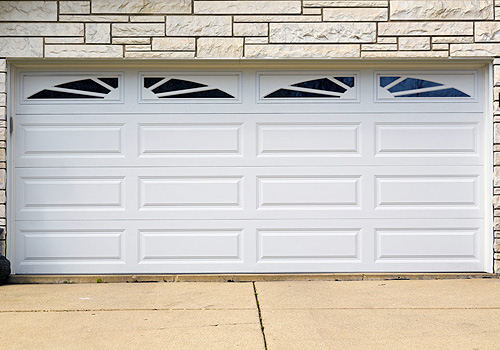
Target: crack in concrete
260	315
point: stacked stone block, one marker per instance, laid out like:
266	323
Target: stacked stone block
256	29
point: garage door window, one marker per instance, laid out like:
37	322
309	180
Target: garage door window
435	87
156	87
65	88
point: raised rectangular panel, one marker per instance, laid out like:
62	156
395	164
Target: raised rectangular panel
191	192
71	140
190	244
427	191
190	139
426	138
311	139
72	244
426	243
308	244
62	193
307	192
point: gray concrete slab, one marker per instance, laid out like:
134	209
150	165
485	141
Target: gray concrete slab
131	296
382	329
475	293
124	330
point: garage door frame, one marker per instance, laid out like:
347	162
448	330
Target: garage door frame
268	64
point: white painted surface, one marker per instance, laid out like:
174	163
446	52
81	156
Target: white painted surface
150	186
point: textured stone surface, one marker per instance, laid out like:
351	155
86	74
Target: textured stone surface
40	29
98	33
132	41
250	29
496	80
247	7
302	51
452	39
174	44
258	40
21	47
404	54
264	18
440	46
83	51
487	32
159	54
355	14
141	6
411	43
74	7
28	10
64	40
441	9
483	50
322	32
379	47
3	65
219	48
425	28
137	47
3	80
92	18
199	26
138	29
387	40
311	11
147	19
346	3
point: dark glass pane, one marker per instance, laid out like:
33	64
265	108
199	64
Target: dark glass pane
176	85
85	85
215	93
451	92
412	84
113	82
291	93
321	84
148	82
49	94
349	81
384	81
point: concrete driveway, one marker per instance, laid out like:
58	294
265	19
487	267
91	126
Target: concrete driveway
403	315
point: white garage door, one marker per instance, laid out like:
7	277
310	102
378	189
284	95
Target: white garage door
136	171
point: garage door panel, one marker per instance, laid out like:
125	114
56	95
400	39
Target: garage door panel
434	243
190	244
248	140
291	245
306	192
84	140
191	192
55	193
428	191
249	192
420	138
316	244
162	140
317	139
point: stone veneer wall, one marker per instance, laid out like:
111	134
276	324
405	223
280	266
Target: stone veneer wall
251	29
